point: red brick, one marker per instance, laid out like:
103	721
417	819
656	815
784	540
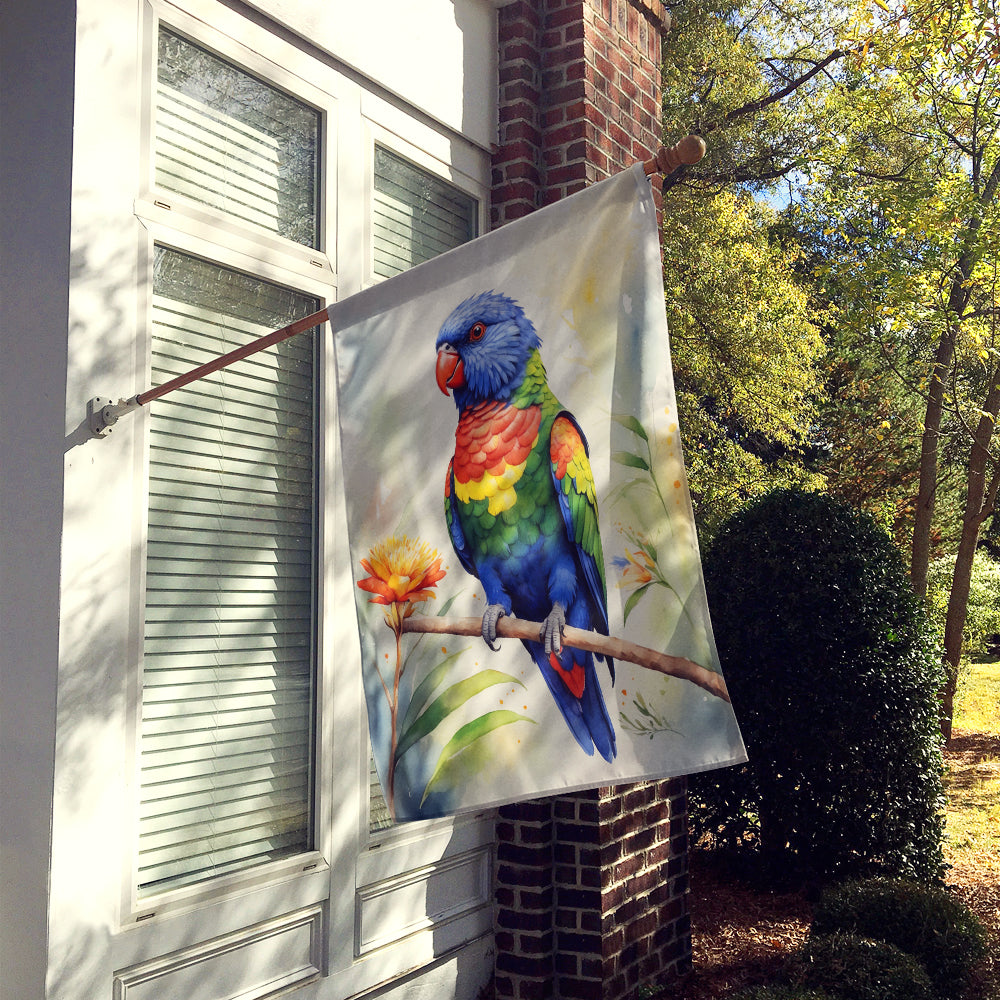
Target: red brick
569	132
567	964
564	53
520	110
531	899
581	989
519	876
521	90
505	156
554	77
518	48
567	174
521	130
518	920
569	15
536	967
529	944
551	39
522	170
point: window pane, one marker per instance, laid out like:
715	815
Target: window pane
226	139
228	662
417	215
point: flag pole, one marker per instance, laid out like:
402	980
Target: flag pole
103	413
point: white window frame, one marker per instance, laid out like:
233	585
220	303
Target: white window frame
350	872
180	224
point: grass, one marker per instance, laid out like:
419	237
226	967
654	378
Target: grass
972	848
973	784
978	698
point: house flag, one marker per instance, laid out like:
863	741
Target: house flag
529	593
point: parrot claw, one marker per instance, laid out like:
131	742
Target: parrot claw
552	629
492	614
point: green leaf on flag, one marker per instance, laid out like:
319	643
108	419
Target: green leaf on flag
464	739
627	420
633	599
447	702
421	695
632	461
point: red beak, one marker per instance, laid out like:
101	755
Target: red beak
449	371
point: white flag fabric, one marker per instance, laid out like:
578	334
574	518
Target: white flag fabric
510	447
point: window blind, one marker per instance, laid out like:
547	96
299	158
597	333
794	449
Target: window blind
228	653
416	216
228	140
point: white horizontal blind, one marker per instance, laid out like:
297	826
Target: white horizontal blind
230	141
416	215
228	659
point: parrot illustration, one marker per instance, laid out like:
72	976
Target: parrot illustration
520	502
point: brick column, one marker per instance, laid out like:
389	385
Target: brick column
579	96
591	889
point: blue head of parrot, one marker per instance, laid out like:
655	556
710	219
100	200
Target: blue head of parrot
483	348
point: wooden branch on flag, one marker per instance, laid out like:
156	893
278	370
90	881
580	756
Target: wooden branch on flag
620	649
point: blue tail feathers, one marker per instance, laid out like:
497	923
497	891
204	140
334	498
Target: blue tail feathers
586	716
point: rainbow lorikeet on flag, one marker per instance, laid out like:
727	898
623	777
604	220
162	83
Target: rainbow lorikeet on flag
520	501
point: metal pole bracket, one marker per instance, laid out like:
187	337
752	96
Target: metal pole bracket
103	413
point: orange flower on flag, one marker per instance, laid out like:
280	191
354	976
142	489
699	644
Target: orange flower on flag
637	568
401	571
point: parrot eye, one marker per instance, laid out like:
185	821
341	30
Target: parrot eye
476	331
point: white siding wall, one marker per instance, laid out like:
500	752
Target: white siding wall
396	41
36	116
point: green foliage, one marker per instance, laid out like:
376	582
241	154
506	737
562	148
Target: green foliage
833	673
747	355
926	922
983	613
857	968
737	72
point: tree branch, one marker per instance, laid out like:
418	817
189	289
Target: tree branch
754	106
620	649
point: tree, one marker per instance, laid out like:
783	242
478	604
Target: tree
746	76
878	122
747	358
747	353
914	186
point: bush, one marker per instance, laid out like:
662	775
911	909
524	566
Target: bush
856	968
925	922
834	673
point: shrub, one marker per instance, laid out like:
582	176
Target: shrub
926	922
834	674
857	968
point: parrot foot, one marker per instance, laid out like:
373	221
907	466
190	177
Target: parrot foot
552	629
492	614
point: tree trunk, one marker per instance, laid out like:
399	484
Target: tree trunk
980	499
958	299
920	553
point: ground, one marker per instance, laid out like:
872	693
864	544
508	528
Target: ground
741	935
